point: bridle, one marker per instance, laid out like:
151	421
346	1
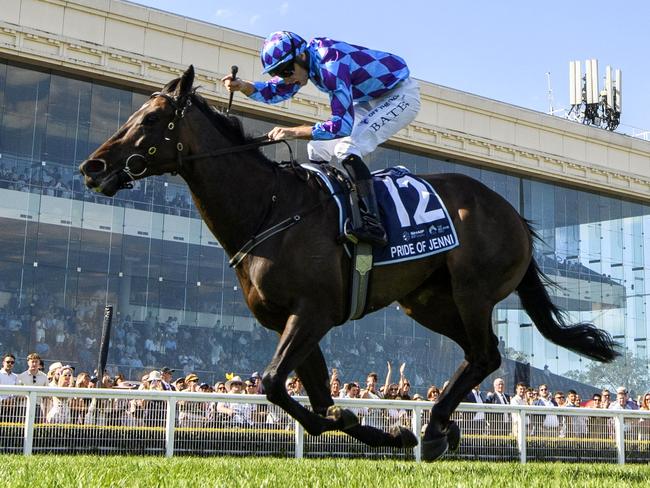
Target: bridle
181	105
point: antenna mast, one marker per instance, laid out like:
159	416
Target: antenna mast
589	105
549	93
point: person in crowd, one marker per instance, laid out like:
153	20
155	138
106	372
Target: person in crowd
531	395
220	387
594	402
645	402
192	413
644	423
250	388
238	414
79	405
60	412
574	425
499	422
559	398
53	373
335	388
433	393
296	384
335	384
166	373
370	102
288	384
8	403
605	399
33	376
519	399
596	426
154	411
623	401
371	390
404	391
550	423
475	422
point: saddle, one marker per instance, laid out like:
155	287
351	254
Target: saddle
416	221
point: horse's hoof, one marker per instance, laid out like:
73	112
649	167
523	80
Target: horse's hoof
343	416
407	437
434	449
453	435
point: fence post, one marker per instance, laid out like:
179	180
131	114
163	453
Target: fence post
619	434
170	424
521	435
299	433
30	415
417	429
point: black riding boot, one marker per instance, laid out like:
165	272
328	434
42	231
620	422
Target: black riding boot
371	231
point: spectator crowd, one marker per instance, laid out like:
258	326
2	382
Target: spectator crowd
224	412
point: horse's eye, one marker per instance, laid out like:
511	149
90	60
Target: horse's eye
150	119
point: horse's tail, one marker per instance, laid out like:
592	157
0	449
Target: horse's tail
582	338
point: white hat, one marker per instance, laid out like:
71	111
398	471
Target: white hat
234	379
155	375
54	366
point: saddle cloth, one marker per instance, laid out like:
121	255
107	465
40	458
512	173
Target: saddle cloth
415	218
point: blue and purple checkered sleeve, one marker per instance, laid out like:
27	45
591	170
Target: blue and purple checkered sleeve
273	91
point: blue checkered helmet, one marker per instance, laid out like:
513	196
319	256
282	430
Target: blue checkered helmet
280	47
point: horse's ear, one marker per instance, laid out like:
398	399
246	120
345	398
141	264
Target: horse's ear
187	80
171	86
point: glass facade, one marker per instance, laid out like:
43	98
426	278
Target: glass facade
66	252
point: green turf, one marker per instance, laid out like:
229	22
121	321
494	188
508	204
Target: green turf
130	472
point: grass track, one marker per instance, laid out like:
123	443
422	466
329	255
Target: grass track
149	472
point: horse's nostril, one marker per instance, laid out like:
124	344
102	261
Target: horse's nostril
92	166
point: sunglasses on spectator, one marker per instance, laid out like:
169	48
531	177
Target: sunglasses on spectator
560	397
10	362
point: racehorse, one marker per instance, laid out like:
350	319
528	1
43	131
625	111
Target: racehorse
295	281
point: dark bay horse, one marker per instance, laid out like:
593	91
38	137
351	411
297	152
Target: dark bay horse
296	282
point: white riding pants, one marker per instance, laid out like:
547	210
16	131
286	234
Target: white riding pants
375	121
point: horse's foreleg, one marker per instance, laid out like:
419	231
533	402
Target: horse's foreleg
296	350
314	376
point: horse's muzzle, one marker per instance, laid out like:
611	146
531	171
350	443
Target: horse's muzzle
97	178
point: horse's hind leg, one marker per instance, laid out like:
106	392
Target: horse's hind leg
467	321
314	376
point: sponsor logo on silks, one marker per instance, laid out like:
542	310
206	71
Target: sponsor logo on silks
417	222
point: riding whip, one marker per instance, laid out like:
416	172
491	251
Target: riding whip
233	72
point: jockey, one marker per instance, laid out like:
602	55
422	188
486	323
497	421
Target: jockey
371	95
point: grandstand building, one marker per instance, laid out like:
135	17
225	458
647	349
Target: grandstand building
72	71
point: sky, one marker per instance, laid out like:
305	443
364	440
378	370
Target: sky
500	49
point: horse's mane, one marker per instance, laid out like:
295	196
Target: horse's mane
228	125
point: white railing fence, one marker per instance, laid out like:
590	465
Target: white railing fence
109	421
